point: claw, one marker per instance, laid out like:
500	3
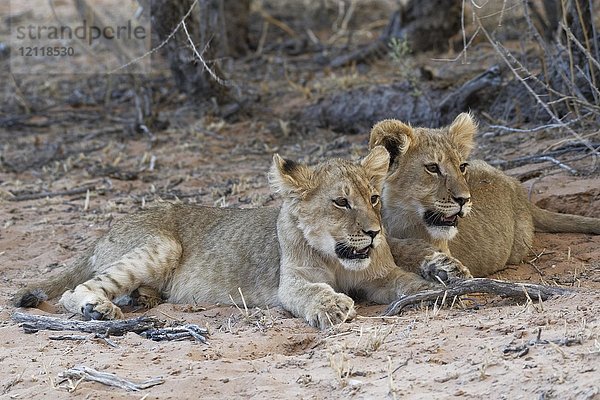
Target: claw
90	313
443	275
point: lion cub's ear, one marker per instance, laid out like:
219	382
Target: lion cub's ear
376	163
394	135
289	177
462	132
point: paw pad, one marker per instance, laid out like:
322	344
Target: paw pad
89	312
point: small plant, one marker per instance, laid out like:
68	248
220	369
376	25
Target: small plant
400	53
399	49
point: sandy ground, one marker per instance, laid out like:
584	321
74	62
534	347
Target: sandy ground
484	347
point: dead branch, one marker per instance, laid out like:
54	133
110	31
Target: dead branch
558	163
541	157
523	349
199	57
176	333
147	327
23	161
43	195
72	337
96	336
81	373
373	50
461	98
507	57
161	45
278	23
509	129
33	323
479	285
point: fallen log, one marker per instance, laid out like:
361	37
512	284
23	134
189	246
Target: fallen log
514	290
356	111
147	327
471	94
34	323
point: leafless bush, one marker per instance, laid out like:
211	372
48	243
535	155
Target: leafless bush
556	68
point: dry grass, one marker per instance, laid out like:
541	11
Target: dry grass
559	74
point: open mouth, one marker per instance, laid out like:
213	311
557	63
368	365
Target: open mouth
434	218
352	253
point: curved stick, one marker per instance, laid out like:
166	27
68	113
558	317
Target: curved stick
479	285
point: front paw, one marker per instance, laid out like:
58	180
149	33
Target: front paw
84	302
440	266
331	310
103	311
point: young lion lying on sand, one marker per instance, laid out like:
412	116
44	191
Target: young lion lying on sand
431	186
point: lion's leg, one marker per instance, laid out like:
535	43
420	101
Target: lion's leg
147	297
315	301
149	265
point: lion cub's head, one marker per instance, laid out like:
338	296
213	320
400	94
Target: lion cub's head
426	186
335	204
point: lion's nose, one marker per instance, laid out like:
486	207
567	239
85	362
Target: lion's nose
372	234
461	200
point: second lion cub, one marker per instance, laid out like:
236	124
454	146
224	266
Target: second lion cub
468	208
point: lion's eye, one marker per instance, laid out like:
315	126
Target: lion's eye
463	167
341	202
433	168
374	200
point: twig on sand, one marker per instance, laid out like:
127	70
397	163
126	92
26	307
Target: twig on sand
560	164
479	285
85	337
148	327
176	333
43	195
33	323
544	156
81	373
523	349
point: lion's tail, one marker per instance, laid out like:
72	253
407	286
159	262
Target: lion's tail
78	272
548	221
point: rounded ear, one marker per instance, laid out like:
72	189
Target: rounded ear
394	135
462	132
289	177
376	163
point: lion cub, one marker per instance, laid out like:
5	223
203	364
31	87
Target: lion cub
325	241
431	185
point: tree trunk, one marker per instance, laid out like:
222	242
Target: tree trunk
428	25
218	29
